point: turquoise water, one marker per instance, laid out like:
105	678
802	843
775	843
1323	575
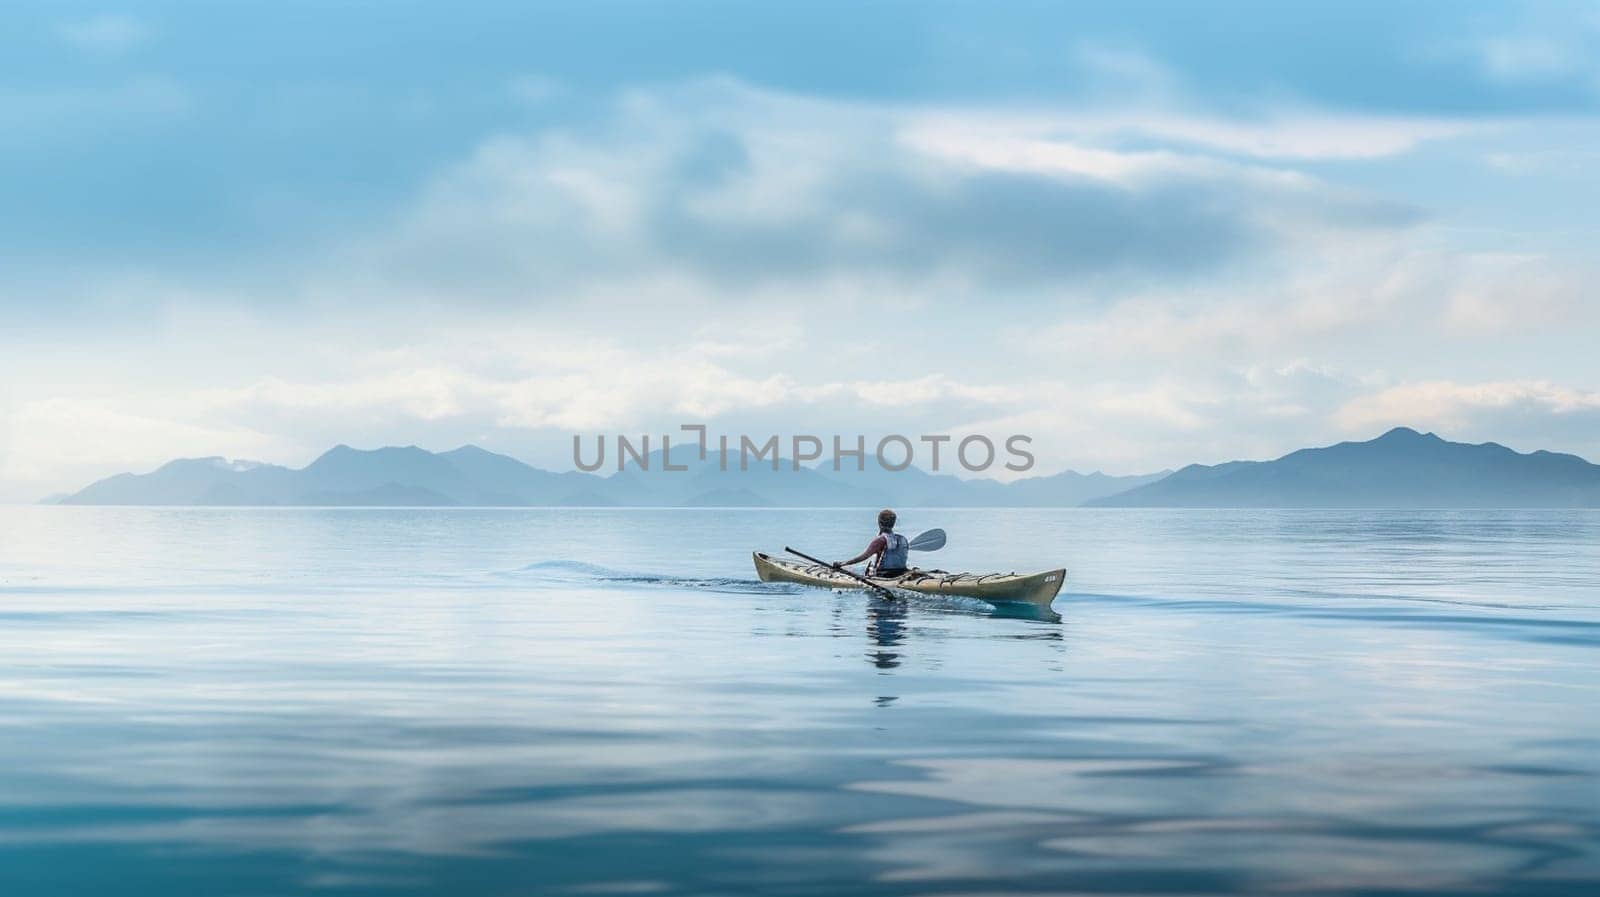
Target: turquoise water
263	702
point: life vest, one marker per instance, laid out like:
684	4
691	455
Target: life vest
896	552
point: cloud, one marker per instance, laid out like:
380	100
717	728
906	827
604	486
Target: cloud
1125	73
33	116
1541	44
1286	134
735	187
1135	288
534	90
1508	405
1567	161
1530	57
608	389
106	33
1500	292
70	440
526	390
64	442
1378	297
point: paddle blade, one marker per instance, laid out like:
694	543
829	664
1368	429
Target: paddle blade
932	540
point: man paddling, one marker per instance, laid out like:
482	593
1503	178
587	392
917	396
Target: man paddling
889	550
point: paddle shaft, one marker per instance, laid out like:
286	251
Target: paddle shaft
850	573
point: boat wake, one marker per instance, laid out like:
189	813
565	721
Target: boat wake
1541	623
564	571
961	605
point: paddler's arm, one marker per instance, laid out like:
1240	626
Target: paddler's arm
855	560
877	544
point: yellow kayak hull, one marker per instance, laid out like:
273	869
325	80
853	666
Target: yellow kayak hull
1038	589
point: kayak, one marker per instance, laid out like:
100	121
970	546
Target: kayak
1038	589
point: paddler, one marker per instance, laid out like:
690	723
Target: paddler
889	550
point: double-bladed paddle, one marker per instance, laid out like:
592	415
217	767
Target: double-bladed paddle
932	540
850	573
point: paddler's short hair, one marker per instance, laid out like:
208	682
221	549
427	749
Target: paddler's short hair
886	519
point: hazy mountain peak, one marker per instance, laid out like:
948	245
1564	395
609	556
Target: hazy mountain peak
1398	433
338	451
1407	436
343	452
207	461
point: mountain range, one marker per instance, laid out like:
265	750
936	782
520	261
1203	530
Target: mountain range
472	476
1402	468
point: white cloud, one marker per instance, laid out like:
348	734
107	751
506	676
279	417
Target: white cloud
1563	161
1133	98
30	116
958	141
1136	291
105	33
1545	44
1301	135
1283	134
733	188
1382	294
534	90
1160	419
526	390
1530	57
549	384
1460	407
64	442
1497	292
1126	74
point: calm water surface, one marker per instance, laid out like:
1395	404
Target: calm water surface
265	702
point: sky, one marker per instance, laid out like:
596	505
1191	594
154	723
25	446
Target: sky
1145	234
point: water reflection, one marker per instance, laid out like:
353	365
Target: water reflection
886	628
1027	612
887	625
1178	819
248	702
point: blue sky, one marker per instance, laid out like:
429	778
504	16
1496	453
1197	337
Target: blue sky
1145	234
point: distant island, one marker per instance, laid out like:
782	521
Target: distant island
1400	469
